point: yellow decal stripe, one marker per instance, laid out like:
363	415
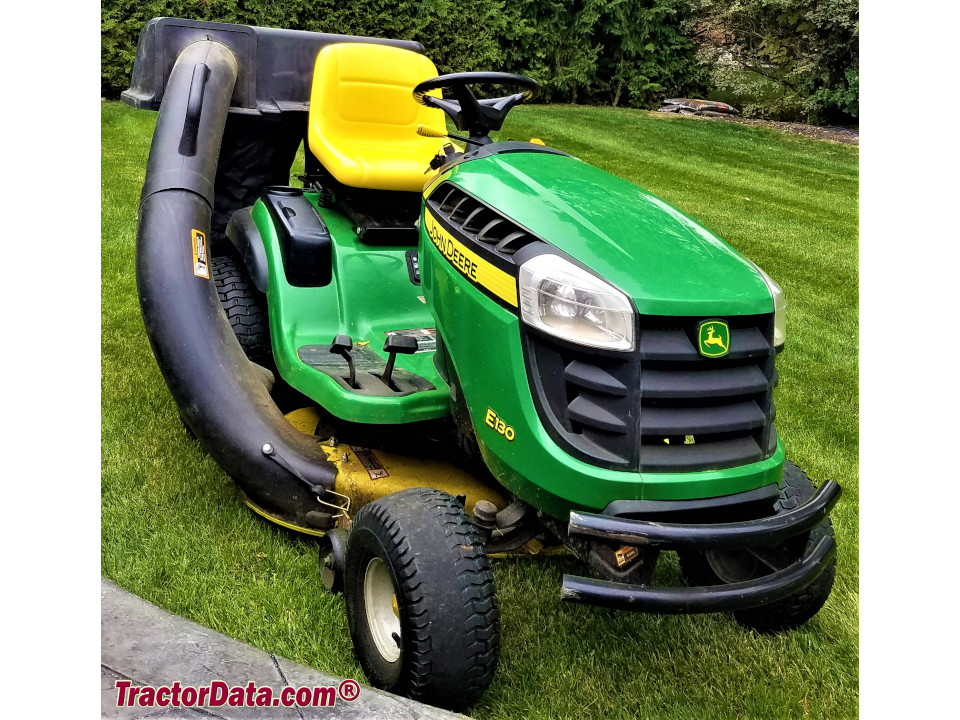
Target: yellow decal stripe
471	265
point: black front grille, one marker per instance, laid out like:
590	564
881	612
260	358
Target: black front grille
663	407
478	221
588	400
700	413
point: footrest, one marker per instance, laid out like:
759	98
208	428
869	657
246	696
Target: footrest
369	367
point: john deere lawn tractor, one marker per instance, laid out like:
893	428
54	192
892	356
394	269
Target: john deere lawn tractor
430	349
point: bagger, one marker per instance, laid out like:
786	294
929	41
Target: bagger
437	348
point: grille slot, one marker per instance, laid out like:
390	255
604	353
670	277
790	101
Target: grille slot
730	382
463	209
718	454
446	197
591	413
677	345
477	220
702	420
488	233
592	377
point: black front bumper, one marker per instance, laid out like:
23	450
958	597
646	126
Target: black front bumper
652	535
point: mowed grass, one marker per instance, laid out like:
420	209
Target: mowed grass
175	532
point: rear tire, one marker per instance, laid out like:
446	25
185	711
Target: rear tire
245	306
719	567
420	599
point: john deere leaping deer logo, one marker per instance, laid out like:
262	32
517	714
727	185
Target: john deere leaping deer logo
714	338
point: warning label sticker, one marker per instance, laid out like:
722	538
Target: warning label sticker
625	554
370	462
426	338
200	266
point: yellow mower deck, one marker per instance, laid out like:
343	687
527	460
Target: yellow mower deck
364	475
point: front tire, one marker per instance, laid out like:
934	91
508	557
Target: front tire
719	567
420	599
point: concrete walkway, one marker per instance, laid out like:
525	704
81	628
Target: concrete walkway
150	647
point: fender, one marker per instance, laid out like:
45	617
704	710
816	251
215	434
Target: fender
246	239
305	244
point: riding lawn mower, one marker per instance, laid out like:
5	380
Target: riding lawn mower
436	349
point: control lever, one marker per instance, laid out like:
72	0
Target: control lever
427	132
342	345
396	344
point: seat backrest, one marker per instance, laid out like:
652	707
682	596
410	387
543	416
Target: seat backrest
363	115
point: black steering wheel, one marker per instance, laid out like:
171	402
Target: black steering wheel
478	117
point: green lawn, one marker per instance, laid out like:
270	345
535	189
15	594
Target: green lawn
175	532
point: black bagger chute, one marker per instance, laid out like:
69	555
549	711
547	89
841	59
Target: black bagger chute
233	105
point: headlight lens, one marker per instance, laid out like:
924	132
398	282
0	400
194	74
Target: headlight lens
779	309
566	301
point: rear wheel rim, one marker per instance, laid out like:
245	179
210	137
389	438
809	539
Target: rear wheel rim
380	601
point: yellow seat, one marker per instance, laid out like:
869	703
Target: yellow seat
363	118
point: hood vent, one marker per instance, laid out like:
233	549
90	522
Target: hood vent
478	221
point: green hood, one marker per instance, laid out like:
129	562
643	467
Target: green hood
651	251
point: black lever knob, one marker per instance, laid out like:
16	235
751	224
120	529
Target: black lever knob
342	345
403	344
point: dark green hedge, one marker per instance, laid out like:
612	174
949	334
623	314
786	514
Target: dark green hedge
597	51
605	52
438	24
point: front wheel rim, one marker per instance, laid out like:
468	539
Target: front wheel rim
328	575
380	601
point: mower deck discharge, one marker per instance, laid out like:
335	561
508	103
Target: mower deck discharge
436	348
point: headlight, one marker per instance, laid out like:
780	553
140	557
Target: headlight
779	309
560	298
